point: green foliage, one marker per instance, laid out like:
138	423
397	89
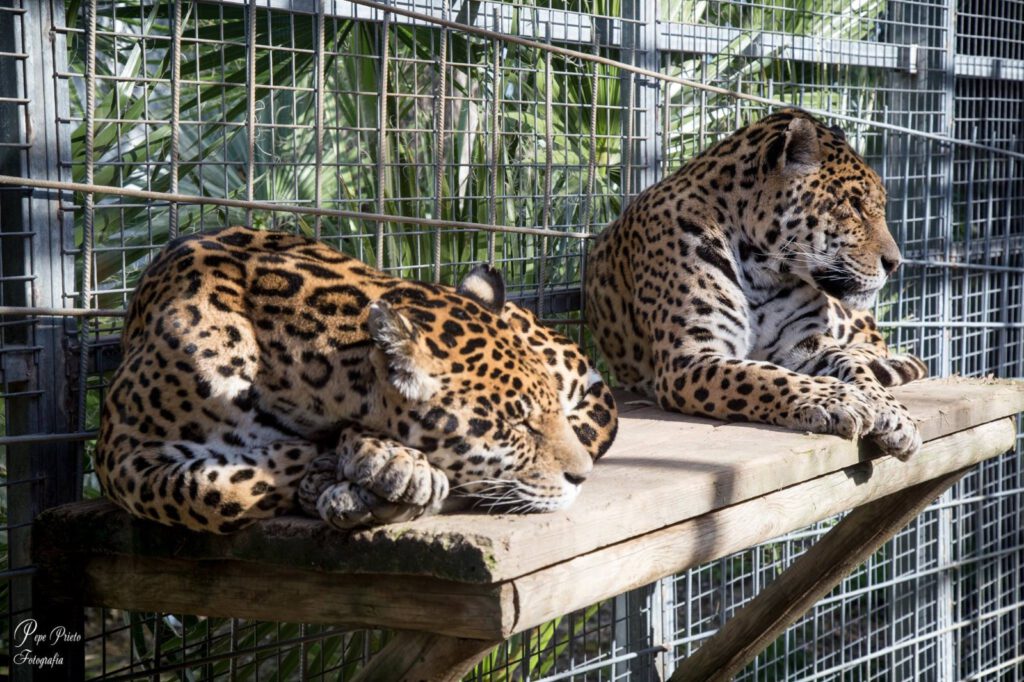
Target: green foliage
209	648
814	86
133	143
534	653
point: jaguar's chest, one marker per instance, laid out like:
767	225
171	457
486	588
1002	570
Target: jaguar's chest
782	317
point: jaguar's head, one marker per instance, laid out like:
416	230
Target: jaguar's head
824	214
514	414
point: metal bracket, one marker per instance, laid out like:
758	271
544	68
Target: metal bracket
909	59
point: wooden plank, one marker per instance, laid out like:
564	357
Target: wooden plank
944	406
425	656
806	581
99	526
604	573
664	468
275	593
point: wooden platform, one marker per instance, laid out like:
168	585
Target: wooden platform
673	492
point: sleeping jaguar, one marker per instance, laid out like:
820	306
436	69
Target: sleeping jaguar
265	373
735	288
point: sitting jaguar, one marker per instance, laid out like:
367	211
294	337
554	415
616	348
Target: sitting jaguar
735	288
266	373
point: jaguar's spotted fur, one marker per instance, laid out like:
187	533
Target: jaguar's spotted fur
733	288
264	372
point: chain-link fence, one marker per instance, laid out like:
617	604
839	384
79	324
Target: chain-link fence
422	138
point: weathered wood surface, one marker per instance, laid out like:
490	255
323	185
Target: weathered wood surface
810	578
244	590
609	571
663	469
943	406
220	587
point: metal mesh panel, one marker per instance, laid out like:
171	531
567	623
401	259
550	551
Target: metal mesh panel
17	337
990	28
343	107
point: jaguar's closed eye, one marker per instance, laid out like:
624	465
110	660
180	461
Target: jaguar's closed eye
527	426
857	206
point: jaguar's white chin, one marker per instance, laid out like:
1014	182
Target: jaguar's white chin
552	504
533	501
861	300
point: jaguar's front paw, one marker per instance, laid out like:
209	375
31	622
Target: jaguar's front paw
321	474
895	432
832	407
393	472
347	505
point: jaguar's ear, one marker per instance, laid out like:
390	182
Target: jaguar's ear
485	285
838	132
407	362
803	151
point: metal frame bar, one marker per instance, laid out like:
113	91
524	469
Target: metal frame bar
973	66
713	40
254	205
579	28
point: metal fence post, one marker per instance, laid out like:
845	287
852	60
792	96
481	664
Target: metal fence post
641	153
937	72
944	587
645	622
40	400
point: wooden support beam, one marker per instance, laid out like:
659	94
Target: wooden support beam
235	589
425	656
810	578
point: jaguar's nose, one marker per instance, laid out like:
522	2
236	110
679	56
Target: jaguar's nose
574	478
889	254
890	264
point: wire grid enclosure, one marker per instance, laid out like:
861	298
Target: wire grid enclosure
348	108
